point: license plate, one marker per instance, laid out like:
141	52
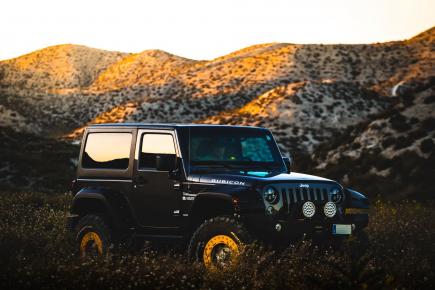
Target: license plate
338	229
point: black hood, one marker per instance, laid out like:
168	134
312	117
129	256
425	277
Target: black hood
252	178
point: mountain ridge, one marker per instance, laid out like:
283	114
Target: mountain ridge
308	95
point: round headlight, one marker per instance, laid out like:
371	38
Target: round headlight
330	209
336	194
308	209
271	195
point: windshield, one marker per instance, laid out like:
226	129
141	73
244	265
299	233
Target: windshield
233	148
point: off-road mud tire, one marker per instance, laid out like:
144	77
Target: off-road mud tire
92	232
223	227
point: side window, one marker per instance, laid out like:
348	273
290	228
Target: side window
153	145
107	150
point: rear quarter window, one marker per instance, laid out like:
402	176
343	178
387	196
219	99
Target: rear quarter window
107	151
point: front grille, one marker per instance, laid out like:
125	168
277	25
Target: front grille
293	195
296	195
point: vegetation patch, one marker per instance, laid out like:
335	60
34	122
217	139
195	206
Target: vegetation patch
31	162
36	252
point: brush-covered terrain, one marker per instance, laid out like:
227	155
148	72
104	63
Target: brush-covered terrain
399	253
354	113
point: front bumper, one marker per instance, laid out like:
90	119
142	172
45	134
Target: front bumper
265	226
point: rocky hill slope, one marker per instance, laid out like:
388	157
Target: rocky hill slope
55	68
393	153
368	100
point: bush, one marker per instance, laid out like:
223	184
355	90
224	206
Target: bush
36	253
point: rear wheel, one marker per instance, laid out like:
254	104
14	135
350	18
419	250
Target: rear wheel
92	236
218	242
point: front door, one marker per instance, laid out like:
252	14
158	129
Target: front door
154	195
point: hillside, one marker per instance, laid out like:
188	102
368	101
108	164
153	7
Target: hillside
56	67
303	115
37	89
392	154
222	84
139	69
368	100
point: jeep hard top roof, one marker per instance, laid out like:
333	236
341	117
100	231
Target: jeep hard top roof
166	125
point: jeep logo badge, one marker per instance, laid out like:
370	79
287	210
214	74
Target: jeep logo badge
304	185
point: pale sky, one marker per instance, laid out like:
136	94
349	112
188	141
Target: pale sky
202	29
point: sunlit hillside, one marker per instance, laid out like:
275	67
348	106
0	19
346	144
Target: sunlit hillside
148	67
303	115
56	67
328	104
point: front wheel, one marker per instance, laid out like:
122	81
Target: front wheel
218	242
92	236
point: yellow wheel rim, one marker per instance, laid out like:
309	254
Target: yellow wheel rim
218	248
94	239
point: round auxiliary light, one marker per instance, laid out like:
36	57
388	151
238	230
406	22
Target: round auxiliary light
308	209
336	194
330	209
271	195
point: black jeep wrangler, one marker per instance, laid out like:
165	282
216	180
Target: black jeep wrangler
216	187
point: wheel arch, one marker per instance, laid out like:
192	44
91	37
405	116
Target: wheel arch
208	205
355	199
112	205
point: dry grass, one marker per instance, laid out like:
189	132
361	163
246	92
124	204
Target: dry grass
35	253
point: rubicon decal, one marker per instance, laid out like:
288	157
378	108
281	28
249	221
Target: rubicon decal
224	181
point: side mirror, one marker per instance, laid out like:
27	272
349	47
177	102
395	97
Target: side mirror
165	162
287	162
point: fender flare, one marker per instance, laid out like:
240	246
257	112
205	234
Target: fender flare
215	196
114	205
355	199
204	201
